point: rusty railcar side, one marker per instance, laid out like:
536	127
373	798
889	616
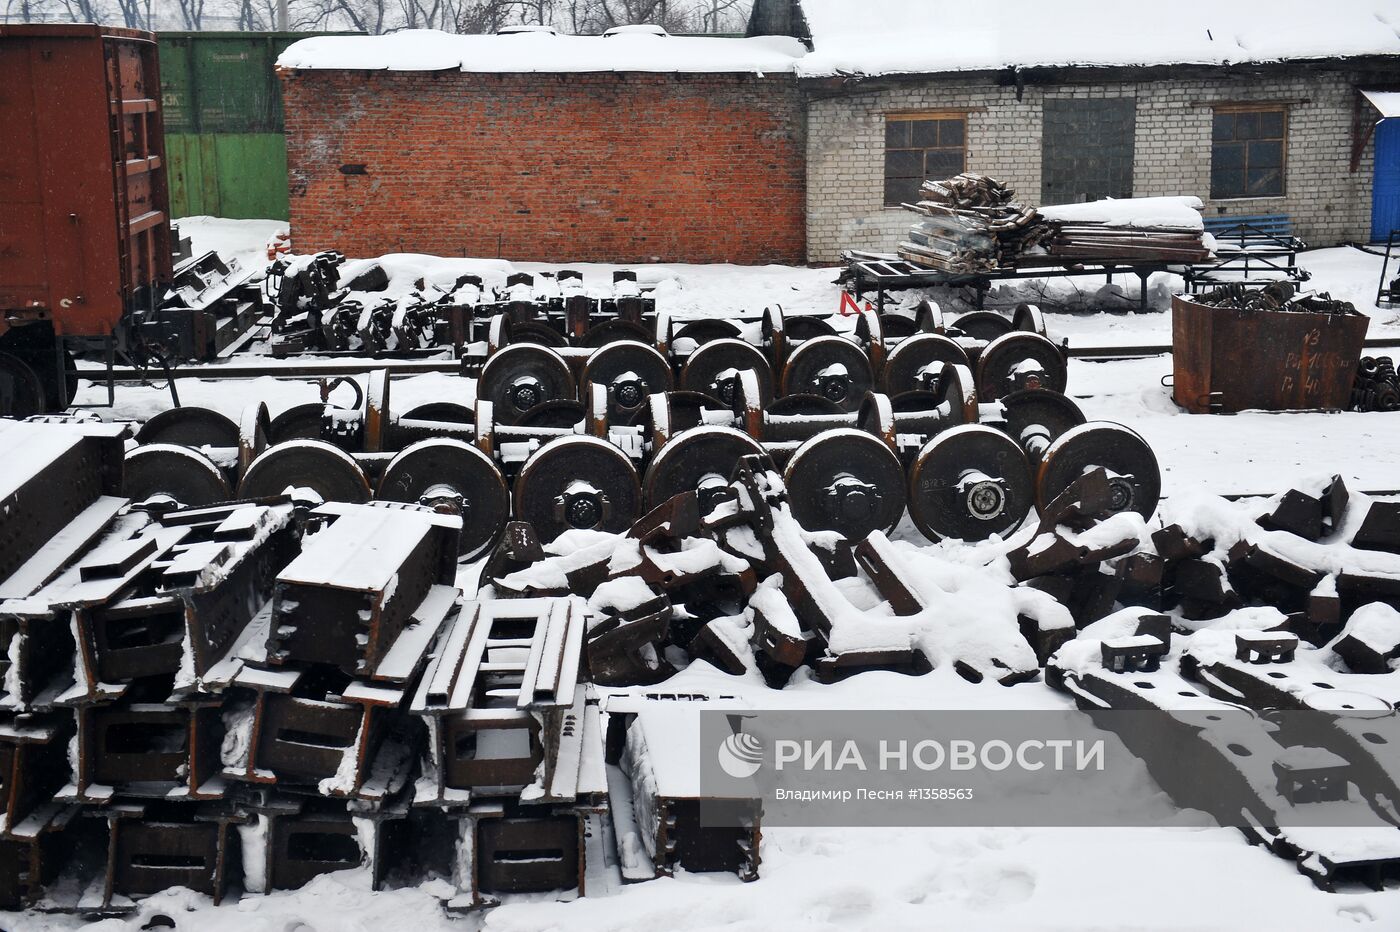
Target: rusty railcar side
84	205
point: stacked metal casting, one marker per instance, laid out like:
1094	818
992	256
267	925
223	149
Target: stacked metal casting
237	698
313	311
972	223
1376	387
572	436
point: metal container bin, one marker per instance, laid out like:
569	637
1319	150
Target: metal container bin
1227	359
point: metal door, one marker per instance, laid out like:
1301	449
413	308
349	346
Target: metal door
1385	204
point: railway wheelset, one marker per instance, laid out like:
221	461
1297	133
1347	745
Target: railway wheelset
865	427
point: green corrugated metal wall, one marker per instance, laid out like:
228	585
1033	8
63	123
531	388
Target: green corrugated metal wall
223	123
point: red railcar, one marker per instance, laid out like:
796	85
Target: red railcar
84	207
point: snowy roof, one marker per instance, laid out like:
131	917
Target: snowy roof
934	36
430	50
1387	102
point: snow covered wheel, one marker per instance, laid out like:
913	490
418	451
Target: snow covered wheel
969	483
870	337
803	405
378	419
774	334
451	477
803	327
916	362
956	388
1027	317
175	472
1034	419
877	418
700	458
308	464
714	369
706	331
299	422
521	376
1134	476
928	317
578	482
847	481
190	426
1019	361
615	331
832	367
898	326
631	372
985	326
444	412
537	334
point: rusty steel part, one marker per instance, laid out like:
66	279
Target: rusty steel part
847	481
451	477
559	414
630	371
1035	418
969	483
832	367
21	389
1227	359
520	376
773	336
917	361
983	326
870	337
803	405
877	418
254	426
377	419
357	583
1017	361
673	412
167	471
1134	476
956	388
299	422
700	459
714	368
331	473
1376	387
577	482
189	426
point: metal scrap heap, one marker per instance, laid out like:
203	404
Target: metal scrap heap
973	224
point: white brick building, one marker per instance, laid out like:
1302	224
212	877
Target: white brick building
1272	123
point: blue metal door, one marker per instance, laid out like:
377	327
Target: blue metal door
1385	208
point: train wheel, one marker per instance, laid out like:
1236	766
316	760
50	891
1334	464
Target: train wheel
1134	476
166	470
832	367
451	477
700	458
578	482
969	483
21	389
522	375
299	422
845	480
1020	360
631	371
981	325
916	362
1035	419
308	464
714	367
190	426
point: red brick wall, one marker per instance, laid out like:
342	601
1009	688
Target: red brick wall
552	168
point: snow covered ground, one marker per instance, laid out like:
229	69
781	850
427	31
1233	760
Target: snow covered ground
1189	876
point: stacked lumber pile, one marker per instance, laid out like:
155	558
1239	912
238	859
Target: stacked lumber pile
973	223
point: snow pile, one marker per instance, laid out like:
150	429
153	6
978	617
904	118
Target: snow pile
535	52
931	36
1165	213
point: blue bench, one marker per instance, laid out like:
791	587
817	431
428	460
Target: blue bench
1280	225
